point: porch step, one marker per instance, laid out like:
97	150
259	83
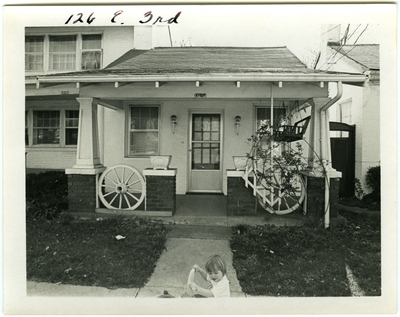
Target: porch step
200	232
201	220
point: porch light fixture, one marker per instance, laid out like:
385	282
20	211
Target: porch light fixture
174	123
237	123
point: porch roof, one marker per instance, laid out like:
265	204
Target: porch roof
205	64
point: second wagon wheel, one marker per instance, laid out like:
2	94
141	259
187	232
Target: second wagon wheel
121	187
279	191
278	197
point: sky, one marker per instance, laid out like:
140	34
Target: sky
297	27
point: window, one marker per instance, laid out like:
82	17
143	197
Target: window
91	52
34	52
143	130
62	52
46	127
51	127
71	127
264	115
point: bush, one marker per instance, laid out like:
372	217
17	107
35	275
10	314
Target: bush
373	179
46	194
370	201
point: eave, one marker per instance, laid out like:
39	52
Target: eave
215	77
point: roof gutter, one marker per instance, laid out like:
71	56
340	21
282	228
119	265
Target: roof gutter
206	77
334	99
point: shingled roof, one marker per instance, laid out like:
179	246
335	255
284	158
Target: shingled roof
366	55
204	63
207	60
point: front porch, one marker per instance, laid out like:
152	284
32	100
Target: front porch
207	210
211	210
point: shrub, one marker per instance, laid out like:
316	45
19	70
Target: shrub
370	201
46	194
373	179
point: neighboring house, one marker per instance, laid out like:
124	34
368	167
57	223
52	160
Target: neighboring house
359	105
118	103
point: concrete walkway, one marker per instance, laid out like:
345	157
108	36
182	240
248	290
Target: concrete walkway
185	246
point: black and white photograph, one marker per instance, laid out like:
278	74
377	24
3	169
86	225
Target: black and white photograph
199	159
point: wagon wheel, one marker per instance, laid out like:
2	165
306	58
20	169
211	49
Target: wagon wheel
121	187
279	198
279	191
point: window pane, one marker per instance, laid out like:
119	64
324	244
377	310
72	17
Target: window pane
46	127
71	127
62	52
91	42
264	114
144	118
71	118
71	136
143	143
46	119
34	53
63	43
34	44
143	136
46	136
91	60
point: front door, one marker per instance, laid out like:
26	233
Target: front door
205	152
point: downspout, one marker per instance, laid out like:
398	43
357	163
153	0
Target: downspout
325	150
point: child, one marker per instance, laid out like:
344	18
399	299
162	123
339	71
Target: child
215	274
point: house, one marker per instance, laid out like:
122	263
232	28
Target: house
359	107
101	110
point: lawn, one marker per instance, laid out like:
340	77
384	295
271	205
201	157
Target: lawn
307	261
112	253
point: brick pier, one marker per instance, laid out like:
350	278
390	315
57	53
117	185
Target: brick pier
160	190
240	199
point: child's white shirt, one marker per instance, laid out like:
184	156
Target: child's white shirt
221	288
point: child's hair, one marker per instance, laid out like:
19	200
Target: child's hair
216	263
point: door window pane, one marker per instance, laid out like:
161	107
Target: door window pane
206	156
206	134
206	127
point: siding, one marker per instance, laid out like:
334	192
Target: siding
50	158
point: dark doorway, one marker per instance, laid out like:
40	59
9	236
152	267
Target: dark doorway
343	155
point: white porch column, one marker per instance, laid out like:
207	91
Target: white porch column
320	139
315	153
88	154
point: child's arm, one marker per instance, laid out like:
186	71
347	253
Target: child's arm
202	291
201	271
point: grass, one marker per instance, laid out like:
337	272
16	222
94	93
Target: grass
306	261
87	252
